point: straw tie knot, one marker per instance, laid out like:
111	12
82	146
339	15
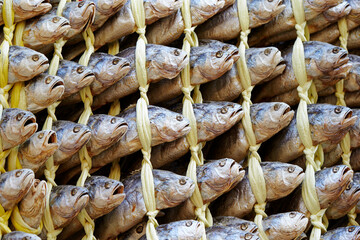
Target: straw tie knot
303	93
316	220
259	209
187	94
300	31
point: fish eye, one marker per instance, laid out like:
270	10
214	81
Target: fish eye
107	185
244	226
18	173
35	58
291	169
335	50
337	110
80	69
248	236
224	110
179	118
19	116
81	4
351	229
188	223
177	52
276	107
48	80
41	135
222	163
268	50
139	229
115	61
219	54
292	214
113	120
55	19
73	191
349	186
225	48
335	169
182	181
76	129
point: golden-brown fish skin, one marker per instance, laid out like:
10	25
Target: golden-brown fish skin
105	194
32	206
234	222
225	25
166	126
347	200
342	233
42	91
327	123
263	63
108	70
325	62
45	29
285	226
34	152
75	76
267	119
329	183
25	9
13	186
25	64
187	229
66	202
280	178
170	190
161	62
16	126
18	235
214	178
71	137
228	233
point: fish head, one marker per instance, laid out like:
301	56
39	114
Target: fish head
269	118
355	130
156	9
105	195
25	63
201	10
14	185
351	193
263	11
50	28
235	222
214	118
187	229
319	6
217	177
39	147
31	8
18	235
281	178
75	76
341	10
211	60
354	74
135	232
16	126
165	62
106	129
108	68
71	136
34	202
80	14
354	14
167	125
330	122
263	62
287	225
172	189
108	7
66	202
331	182
343	233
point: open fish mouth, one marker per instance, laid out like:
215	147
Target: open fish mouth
87	79
347	174
343	59
237	112
118	189
85	136
29	122
51	138
125	64
58	83
348	120
233	55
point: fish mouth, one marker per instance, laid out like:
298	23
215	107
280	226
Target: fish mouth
85	136
287	115
90	11
51	138
238	113
234	55
58	83
348	120
125	64
347	174
118	194
344	58
186	129
87	79
29	125
120	130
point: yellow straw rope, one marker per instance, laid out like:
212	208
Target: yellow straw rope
115	108
142	120
202	212
305	89
256	175
50	170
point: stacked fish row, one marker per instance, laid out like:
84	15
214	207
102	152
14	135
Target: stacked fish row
225	187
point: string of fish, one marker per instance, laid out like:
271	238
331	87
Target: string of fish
307	93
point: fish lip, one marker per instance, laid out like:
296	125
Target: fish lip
342	59
84	135
233	55
349	120
29	122
65	23
347	173
51	139
236	112
57	83
87	79
83	193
